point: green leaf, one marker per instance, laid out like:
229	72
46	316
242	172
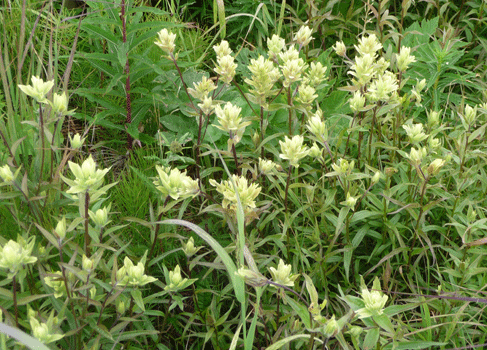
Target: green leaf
137	295
413	345
237	282
371	339
300	309
282	342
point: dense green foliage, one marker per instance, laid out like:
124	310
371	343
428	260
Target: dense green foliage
243	174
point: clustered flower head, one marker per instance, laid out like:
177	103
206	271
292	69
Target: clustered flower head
189	249
303	36
202	89
383	87
56	281
415	133
13	256
266	166
275	45
174	183
44	331
226	66
340	49
343	167
293	149
374	301
306	96
246	192
317	126
76	141
292	66
368	45
230	121
100	217
282	275
132	275
264	75
176	281
38	90
59	104
315	75
165	40
87	177
404	59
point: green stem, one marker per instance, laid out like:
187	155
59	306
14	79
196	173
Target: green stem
16	310
87	225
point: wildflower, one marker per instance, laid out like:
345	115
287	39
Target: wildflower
176	281
292	71
470	114
207	106
315	151
226	68
416	91
189	249
289	55
266	166
87	177
247	193
293	149
363	69
416	155
415	133
317	126
230	121
264	75
404	59
60	229
433	118
76	141
202	89
174	183
343	167
44	331
59	104
7	175
14	255
282	275
316	74
303	36
340	49
374	301
222	49
331	327
87	264
100	217
38	90
306	95
166	40
56	281
132	275
435	166
382	88
375	178
357	102
368	45
275	45
350	201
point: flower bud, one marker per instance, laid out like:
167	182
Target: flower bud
433	118
252	278
331	327
176	281
93	292
207	106
87	264
368	45
189	249
415	133
76	141
266	166
61	228
376	178
100	217
350	201
226	68
470	114
317	126
435	166
60	103
404	59
340	49
315	151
